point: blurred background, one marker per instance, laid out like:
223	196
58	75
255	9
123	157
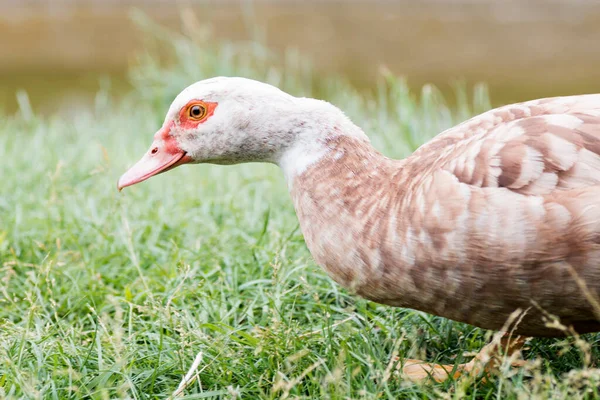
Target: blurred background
60	52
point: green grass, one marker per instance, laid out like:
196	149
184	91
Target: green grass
108	295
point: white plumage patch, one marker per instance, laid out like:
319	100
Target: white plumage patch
562	153
532	167
565	120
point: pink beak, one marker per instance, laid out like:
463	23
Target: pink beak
164	155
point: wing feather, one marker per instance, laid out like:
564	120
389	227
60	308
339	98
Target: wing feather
532	148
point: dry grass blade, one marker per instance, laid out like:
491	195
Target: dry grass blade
189	378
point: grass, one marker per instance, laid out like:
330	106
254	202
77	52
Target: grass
107	295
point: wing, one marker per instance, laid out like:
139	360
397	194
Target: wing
530	148
506	204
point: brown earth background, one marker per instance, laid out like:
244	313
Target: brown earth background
58	51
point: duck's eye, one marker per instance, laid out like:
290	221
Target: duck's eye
197	111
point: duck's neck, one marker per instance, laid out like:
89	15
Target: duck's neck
317	134
336	186
342	192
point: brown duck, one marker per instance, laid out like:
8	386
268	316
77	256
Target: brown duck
498	214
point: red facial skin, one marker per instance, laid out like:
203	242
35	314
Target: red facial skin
165	154
187	122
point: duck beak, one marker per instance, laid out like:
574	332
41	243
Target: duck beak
161	157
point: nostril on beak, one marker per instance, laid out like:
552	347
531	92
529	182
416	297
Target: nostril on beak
154	150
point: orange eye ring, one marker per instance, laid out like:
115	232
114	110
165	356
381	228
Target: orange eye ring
196	111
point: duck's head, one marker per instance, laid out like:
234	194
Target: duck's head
233	120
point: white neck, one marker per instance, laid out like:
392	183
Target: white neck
323	121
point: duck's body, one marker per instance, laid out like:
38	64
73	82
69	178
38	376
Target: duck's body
489	217
497	214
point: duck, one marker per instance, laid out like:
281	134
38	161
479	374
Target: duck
494	218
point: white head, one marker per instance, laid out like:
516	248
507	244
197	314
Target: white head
233	120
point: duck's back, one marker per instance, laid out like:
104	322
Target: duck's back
499	213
